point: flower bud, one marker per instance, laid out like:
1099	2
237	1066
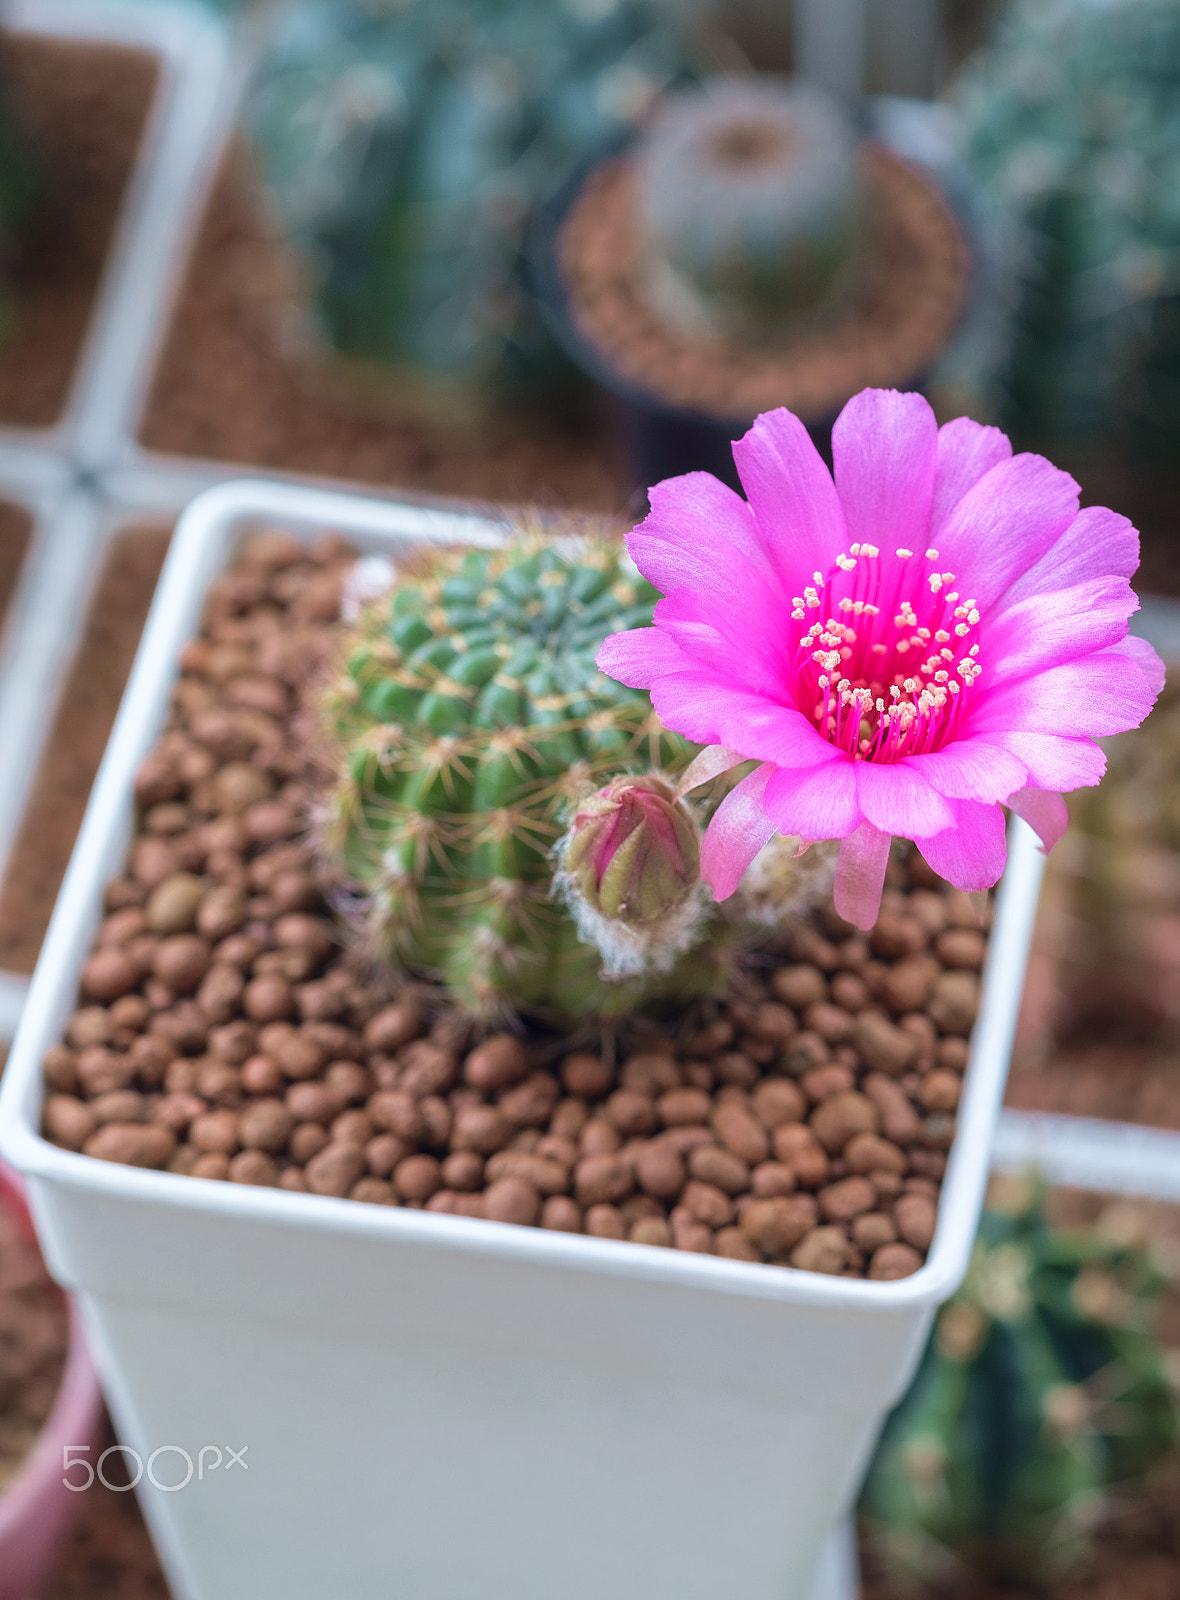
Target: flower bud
633	852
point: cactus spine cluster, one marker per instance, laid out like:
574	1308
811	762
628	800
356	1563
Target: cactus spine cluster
1042	1390
750	199
1071	122
403	143
470	724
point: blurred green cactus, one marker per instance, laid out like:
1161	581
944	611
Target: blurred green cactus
1071	121
403	143
750	198
470	729
1041	1391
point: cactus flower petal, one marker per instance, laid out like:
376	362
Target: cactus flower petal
933	631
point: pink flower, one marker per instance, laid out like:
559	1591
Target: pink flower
936	632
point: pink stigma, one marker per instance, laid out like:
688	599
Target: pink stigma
887	671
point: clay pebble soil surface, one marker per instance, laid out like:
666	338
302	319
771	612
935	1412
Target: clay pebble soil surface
53	89
224	1031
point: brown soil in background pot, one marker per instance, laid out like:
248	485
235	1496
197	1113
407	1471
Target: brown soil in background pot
81	110
16	532
224	389
34	1333
76	741
224	1032
915	291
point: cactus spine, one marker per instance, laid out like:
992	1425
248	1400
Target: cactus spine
1041	1390
469	724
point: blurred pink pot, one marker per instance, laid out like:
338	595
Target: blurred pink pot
36	1510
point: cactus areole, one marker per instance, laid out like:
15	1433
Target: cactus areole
506	811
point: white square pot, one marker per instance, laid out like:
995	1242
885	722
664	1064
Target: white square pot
441	1409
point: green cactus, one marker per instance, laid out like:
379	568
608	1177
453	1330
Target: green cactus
751	200
1071	123
1042	1390
403	143
468	724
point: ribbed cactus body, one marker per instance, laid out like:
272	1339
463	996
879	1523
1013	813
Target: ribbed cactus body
402	146
1041	1390
1071	123
470	721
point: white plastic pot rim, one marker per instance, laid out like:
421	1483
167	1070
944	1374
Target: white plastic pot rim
376	524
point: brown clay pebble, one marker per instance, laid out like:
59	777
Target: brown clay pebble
511	1199
172	905
253	1166
631	1113
586	1076
954	1002
268	998
940	1090
740	1131
561	1214
418	1177
916	1216
890	1261
373	1192
907	985
834	1122
832	1023
181	961
733	1244
481	1128
683	1107
688	1233
867	1152
883	1046
899	1121
393	1027
265	1125
385	1150
135	1144
334	1170
798	1148
823	1250
821	1083
306	1141
462	1169
961	947
215	1131
775	1225
108	974
871	1230
721	1168
651	1231
660	1170
773	1178
598	1138
68	1121
848	1198
604	1222
211	1164
707	1203
602	1178
497	1062
800	986
777	1100
221	912
649	1074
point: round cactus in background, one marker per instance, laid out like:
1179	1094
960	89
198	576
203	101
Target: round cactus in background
402	147
1042	1391
751	198
473	732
